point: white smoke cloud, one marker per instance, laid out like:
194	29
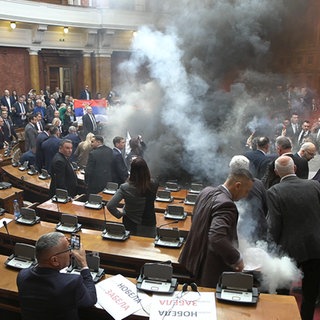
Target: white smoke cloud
191	125
277	272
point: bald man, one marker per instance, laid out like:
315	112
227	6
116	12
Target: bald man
294	224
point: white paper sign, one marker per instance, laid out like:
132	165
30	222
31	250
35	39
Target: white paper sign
4	219
119	297
184	305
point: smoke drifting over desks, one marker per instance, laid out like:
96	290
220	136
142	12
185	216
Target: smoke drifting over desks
208	69
276	272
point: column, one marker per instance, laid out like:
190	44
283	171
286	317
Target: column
34	69
103	73
87	79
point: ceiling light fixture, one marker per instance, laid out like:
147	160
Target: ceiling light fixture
65	29
13	25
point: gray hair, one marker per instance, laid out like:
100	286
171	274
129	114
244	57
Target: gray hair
284	142
240	173
72	129
47	241
239	162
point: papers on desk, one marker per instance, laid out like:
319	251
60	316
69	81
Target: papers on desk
119	297
184	305
7	220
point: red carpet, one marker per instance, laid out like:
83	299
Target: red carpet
296	292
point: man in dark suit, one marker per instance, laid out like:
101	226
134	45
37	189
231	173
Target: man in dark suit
2	135
259	158
210	246
30	133
294	224
42	136
307	152
293	129
19	112
62	172
305	132
284	147
51	108
44	292
50	147
8	127
119	168
89	122
98	169
7	101
85	94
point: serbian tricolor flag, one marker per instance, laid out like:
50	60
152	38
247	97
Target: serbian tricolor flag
98	106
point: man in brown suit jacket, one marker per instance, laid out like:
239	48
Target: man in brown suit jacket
210	246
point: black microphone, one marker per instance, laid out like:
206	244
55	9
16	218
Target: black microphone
6	226
166	224
104	215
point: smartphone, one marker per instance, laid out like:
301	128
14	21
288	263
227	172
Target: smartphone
75	241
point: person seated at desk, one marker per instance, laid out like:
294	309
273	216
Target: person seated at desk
44	292
139	194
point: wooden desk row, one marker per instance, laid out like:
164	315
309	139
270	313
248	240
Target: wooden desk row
32	184
95	219
126	257
269	307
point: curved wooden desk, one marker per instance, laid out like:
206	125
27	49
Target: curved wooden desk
35	188
126	257
269	306
94	219
22	180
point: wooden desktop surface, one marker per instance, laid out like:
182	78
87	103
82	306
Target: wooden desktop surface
22	180
159	206
8	195
92	218
116	256
269	306
4	161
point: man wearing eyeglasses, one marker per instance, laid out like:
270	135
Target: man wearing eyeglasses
44	292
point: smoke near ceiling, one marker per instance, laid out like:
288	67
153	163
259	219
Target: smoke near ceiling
205	86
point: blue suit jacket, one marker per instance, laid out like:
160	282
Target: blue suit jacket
47	294
119	168
50	147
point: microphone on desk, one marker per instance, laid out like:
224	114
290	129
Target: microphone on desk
6	226
166	224
104	215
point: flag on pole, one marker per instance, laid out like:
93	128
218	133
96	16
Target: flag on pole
127	147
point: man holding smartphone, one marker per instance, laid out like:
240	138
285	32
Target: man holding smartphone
44	292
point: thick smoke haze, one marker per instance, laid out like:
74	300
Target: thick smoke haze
205	90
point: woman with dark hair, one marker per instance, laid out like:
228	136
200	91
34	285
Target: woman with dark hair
137	147
139	193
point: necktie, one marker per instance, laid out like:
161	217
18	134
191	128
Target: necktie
23	116
39	126
93	122
9	103
8	125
